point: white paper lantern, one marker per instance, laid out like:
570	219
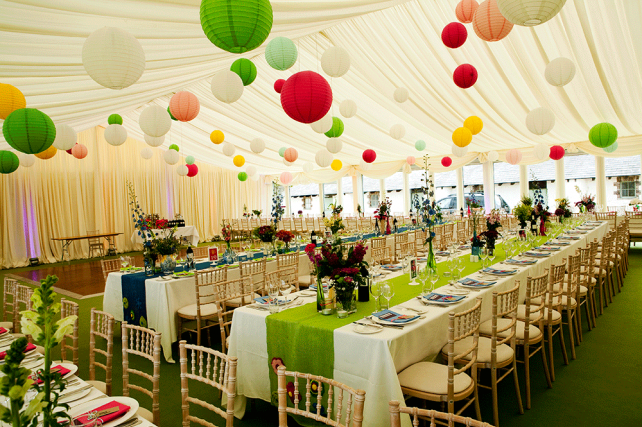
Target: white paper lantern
257	145
227	86
171	157
348	108
255	177
113	58
540	120
154	141
181	169
26	160
286	163
459	151
363	165
229	149
560	71
541	151
115	135
335	61
611	148
514	156
323	158
155	121
146	153
397	131
65	137
493	156
250	170
400	95
307	167
334	145
529	13
323	125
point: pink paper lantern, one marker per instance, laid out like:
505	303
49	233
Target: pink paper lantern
184	106
192	170
411	160
557	152
290	154
306	97
488	22
446	161
514	156
465	10
278	85
79	151
286	178
369	156
454	35
465	76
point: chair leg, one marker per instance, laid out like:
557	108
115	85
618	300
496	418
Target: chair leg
547	372
527	374
476	394
550	351
520	405
563	344
603	302
578	324
571	334
493	387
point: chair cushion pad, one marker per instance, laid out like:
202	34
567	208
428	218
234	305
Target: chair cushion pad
486	328
207	310
504	351
521	314
432	377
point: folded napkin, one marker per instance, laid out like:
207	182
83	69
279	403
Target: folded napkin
520	261
491	270
537	254
3	331
549	248
558	243
131	269
314	287
463	247
266	299
392	267
30	347
122	410
577	232
61	370
568	238
392	317
184	273
467	281
435	297
442	253
422	259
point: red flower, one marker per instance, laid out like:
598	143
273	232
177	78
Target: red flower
310	247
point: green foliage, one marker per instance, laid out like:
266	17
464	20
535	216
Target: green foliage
14	384
526	201
523	212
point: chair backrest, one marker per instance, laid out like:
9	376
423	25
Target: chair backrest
309	224
205	287
286	223
212	368
69	308
573	277
346	248
349	402
22	302
504	305
237	289
379	242
429	414
255	270
401	238
556	276
94	240
8	299
408	249
611	217
201	252
109	266
287	260
380	254
536	288
101	325
462	237
607	247
145	343
299	227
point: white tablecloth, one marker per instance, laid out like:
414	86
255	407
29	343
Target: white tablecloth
188	232
371	362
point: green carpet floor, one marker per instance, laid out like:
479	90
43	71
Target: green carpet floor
600	388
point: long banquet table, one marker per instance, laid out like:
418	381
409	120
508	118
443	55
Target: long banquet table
189	233
369	362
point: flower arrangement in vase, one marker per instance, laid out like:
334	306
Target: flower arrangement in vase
286	237
493	222
257	213
382	214
334	223
562	210
226	231
543	215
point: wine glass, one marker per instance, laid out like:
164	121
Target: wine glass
273	294
433	277
124	262
375	291
483	256
461	266
388	291
491	256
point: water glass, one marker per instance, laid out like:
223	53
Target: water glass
387	291
375	291
483	256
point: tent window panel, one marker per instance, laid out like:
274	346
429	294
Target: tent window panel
373	200
307	203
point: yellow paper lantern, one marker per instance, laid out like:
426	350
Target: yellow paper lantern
336	165
462	137
217	137
474	123
239	161
47	154
11	99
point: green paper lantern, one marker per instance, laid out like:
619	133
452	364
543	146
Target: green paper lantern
611	148
282	151
9	162
29	131
420	145
171	116
603	135
115	119
190	160
236	26
173	147
245	69
242	176
281	53
337	128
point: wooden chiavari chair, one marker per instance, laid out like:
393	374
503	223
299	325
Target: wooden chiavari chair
347	246
101	326
553	321
290	261
399	239
635	227
96	244
601	272
585	289
146	343
230	295
299	226
610	217
435	417
462	237
8	303
380	255
286	224
22	302
255	271
420	239
568	303
236	227
309	224
109	266
353	404
408	249
425	380
69	308
214	369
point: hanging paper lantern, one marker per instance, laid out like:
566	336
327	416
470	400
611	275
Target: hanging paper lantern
236	26
282	151
541	151
474	124
556	152
540	120
465	10
190	160
27	160
411	160
170	114
245	69
171	157
335	61
337	128
250	170
182	170
48	153
174	147
113	58
227	86
286	178
446	161
334	145
154	141
29	130
154	121
560	71
281	53
397	131
255	177
459	151
9	162
257	145
307	167
278	85
306	97
462	137
11	99
363	165
336	165
488	22
229	149
291	154
420	145
286	163
242	176
401	95
493	156
611	148
192	170
184	106
114	119
217	137
529	13
603	135
514	156
369	156
348	108
146	153
323	125
323	158
465	75
115	135
65	137
238	161
79	151
69	151
454	35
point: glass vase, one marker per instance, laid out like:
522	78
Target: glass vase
432	262
346	304
168	264
321	304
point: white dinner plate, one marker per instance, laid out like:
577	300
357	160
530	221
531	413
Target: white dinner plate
367	329
308	293
403	312
75	396
93	404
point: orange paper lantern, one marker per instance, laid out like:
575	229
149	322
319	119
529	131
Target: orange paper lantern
184	106
290	154
488	22
465	10
79	151
48	153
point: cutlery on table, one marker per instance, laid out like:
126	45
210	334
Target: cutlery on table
77	390
131	422
386	325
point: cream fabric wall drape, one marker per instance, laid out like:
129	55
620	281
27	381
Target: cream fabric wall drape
64	196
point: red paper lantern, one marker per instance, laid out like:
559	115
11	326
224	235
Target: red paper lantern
454	35
278	85
369	156
557	152
465	76
192	170
184	106
446	161
306	97
465	10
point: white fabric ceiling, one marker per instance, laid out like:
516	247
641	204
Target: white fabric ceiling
392	43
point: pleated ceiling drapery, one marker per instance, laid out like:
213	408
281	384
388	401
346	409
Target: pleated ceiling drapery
64	196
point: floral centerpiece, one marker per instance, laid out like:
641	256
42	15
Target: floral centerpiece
382	214
286	237
523	213
300	213
336	209
257	213
562	210
430	220
543	215
586	204
493	222
476	242
334	223
226	231
265	233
